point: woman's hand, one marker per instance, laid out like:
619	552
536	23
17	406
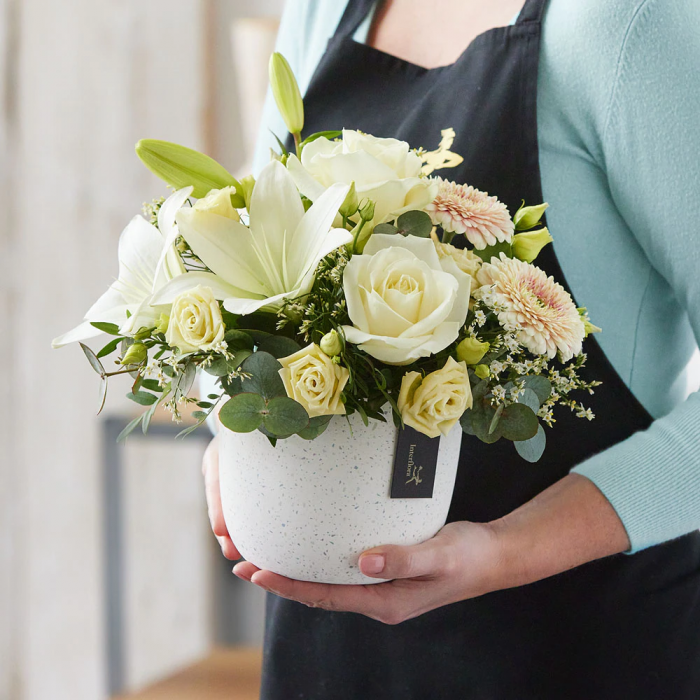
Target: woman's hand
210	469
565	526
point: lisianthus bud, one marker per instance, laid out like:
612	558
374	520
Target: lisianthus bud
527	246
366	210
482	371
182	167
349	207
587	325
471	351
163	322
143	334
286	93
528	217
331	343
135	355
247	184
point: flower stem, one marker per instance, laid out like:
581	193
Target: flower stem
447	236
297	144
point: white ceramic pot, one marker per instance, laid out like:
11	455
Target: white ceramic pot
308	509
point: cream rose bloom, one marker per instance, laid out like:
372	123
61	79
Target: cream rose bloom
433	405
195	321
383	170
403	300
312	379
466	260
218	202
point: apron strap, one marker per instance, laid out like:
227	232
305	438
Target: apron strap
356	12
532	11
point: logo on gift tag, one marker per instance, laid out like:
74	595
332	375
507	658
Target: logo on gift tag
415	464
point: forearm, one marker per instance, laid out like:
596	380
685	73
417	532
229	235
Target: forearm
567	525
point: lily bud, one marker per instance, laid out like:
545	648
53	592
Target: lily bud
349	207
366	210
135	355
331	344
482	371
247	184
286	93
527	246
471	351
587	325
163	323
528	217
182	167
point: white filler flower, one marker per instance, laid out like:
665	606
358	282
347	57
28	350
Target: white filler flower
271	260
404	302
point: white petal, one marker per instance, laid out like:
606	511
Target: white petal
84	331
243	307
422	248
169	231
220	289
305	182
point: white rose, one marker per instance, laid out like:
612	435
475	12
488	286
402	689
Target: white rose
312	379
218	202
383	170
404	302
433	405
195	321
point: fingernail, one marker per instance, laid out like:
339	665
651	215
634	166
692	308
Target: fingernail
372	564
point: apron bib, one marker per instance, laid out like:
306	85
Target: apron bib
617	628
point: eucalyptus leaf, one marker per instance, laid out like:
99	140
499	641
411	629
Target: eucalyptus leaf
415	223
494	251
317	426
540	385
278	346
143	398
481	421
243	413
529	398
238	340
466	422
518	422
285	416
111	328
109	348
92	359
531	450
264	378
386	229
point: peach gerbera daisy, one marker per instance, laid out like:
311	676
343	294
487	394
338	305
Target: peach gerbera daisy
463	209
539	310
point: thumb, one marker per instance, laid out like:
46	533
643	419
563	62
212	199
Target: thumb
394	561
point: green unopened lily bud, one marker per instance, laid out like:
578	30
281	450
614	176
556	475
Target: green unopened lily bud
349	207
182	167
366	210
527	246
286	93
331	344
247	185
135	355
471	351
528	217
587	325
482	371
163	323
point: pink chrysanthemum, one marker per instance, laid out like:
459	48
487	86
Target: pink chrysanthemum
540	311
463	209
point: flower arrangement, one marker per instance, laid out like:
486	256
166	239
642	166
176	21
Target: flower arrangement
331	285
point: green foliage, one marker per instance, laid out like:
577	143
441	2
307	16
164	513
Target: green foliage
531	450
109	348
518	422
494	251
143	398
330	135
414	223
540	385
93	360
129	429
110	328
317	426
243	413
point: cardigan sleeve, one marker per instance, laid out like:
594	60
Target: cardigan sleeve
651	150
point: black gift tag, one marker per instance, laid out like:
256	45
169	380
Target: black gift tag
415	464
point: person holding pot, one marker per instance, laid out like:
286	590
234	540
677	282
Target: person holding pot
577	577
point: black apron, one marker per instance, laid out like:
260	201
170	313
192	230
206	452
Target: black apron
627	626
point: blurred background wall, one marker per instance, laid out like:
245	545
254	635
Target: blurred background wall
80	82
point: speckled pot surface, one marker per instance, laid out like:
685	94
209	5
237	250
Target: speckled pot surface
308	509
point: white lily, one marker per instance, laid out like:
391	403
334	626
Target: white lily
147	261
274	258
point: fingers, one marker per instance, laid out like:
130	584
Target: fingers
210	469
396	562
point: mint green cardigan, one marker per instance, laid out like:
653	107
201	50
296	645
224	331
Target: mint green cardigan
619	133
